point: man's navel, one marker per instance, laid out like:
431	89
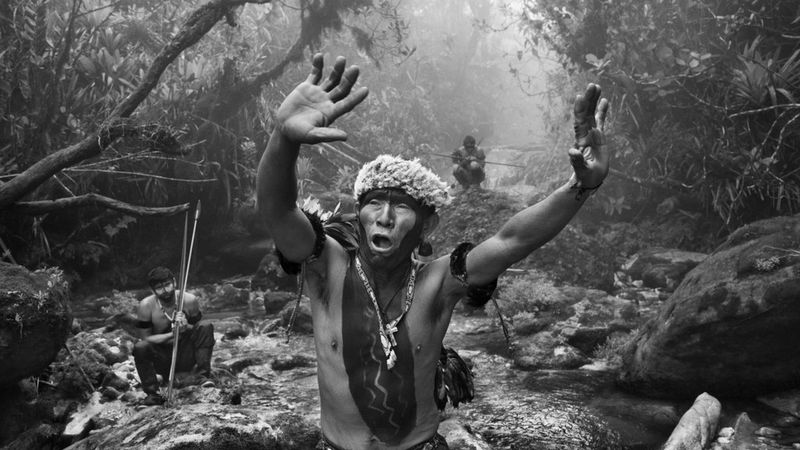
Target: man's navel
334	344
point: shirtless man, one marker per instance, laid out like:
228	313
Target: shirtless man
157	315
379	316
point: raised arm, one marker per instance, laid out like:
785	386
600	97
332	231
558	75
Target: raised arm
304	117
534	226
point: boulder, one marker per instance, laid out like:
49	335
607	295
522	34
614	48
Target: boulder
302	317
731	328
206	426
275	301
543	350
697	426
227	297
662	267
35	319
231	328
460	437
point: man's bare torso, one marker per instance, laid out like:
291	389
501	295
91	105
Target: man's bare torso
159	315
363	403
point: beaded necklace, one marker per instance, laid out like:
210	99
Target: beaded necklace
164	311
388	330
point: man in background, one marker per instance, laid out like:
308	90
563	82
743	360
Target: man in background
157	319
469	162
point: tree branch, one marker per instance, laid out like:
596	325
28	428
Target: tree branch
197	25
46	206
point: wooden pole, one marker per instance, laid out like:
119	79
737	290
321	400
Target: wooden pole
182	286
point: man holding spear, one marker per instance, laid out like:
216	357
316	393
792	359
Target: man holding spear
158	316
162	321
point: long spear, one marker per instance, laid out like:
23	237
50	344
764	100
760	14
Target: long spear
487	162
185	263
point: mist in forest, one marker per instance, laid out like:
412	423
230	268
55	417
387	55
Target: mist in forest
126	101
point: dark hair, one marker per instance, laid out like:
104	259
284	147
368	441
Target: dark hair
469	141
158	275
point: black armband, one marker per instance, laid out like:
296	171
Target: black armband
477	296
144	324
293	268
194	319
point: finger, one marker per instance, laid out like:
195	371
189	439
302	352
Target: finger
579	117
350	102
335	75
592	96
601	114
316	69
576	159
349	78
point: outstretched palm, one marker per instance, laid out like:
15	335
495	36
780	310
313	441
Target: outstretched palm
308	111
588	158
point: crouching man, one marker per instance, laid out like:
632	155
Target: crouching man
158	317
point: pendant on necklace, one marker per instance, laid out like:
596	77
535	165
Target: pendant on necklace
389	343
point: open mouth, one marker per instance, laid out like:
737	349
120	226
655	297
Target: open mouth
381	242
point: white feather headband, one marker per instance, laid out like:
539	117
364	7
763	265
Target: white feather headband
416	180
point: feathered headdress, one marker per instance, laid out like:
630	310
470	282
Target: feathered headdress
416	180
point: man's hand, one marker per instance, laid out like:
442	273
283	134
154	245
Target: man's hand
181	322
308	111
588	158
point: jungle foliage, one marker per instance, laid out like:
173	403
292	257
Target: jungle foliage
73	70
704	94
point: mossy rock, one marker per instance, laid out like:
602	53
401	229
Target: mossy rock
35	320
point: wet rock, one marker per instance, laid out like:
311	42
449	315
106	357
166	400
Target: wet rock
275	301
662	267
231	328
81	421
288	362
545	351
460	437
110	352
237	365
786	401
226	298
767	432
270	327
302	320
526	324
648	413
744	433
77	326
109	393
114	381
587	339
41	436
35	320
62	409
122	321
697	426
206	426
731	328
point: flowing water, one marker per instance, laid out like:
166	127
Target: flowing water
512	409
